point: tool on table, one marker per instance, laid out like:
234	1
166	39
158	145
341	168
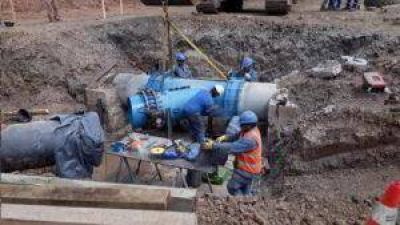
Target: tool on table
157	152
180	146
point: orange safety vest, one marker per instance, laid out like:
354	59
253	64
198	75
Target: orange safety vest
251	161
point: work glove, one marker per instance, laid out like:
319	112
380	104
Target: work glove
207	145
222	138
247	76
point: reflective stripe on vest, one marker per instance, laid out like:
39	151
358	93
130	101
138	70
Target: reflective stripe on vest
251	161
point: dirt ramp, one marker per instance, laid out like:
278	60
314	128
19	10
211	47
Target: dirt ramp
66	58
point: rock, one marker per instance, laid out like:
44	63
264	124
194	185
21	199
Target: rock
106	103
368	202
355	199
326	70
329	109
353	64
307	220
339	222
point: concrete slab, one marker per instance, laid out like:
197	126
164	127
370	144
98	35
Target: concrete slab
77	215
181	199
105	197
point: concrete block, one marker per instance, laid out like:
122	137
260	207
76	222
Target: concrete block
62	215
326	70
281	116
107	104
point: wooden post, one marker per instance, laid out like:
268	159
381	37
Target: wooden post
103	4
168	31
121	6
14	16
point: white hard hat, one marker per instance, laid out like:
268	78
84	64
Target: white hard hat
220	89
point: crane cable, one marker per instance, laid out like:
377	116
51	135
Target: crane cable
209	61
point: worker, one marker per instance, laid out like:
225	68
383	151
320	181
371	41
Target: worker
246	70
247	148
202	104
181	69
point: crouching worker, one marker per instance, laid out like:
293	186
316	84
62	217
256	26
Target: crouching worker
247	148
202	104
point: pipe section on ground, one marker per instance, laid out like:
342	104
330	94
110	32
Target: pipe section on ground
72	143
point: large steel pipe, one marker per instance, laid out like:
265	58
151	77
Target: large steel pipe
171	93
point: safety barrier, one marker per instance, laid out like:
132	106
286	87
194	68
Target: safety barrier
386	210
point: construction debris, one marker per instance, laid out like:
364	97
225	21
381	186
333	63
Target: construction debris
327	70
374	82
353	64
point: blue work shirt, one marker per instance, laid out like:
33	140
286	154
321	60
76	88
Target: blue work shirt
182	71
233	75
202	103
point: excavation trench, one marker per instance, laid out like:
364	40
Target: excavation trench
52	67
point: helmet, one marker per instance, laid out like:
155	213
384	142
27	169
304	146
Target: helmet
219	88
180	56
246	62
248	117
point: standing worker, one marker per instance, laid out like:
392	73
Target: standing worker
202	104
247	148
246	70
181	69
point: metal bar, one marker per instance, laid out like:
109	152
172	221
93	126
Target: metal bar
209	183
158	172
138	167
130	173
119	170
169	124
183	178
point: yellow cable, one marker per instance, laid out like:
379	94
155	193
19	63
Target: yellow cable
220	72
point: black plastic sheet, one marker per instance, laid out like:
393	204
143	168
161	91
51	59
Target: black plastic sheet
71	142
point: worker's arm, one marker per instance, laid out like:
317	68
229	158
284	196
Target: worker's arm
251	75
211	109
215	111
239	146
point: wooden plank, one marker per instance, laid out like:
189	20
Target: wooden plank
80	215
21	222
181	199
14	15
103	4
133	198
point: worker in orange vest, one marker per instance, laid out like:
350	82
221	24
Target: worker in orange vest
247	148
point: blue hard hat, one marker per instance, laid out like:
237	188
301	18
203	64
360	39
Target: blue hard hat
248	117
180	56
246	62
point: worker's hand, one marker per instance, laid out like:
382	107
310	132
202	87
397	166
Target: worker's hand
207	145
222	138
247	76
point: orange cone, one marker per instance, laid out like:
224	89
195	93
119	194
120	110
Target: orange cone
385	212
